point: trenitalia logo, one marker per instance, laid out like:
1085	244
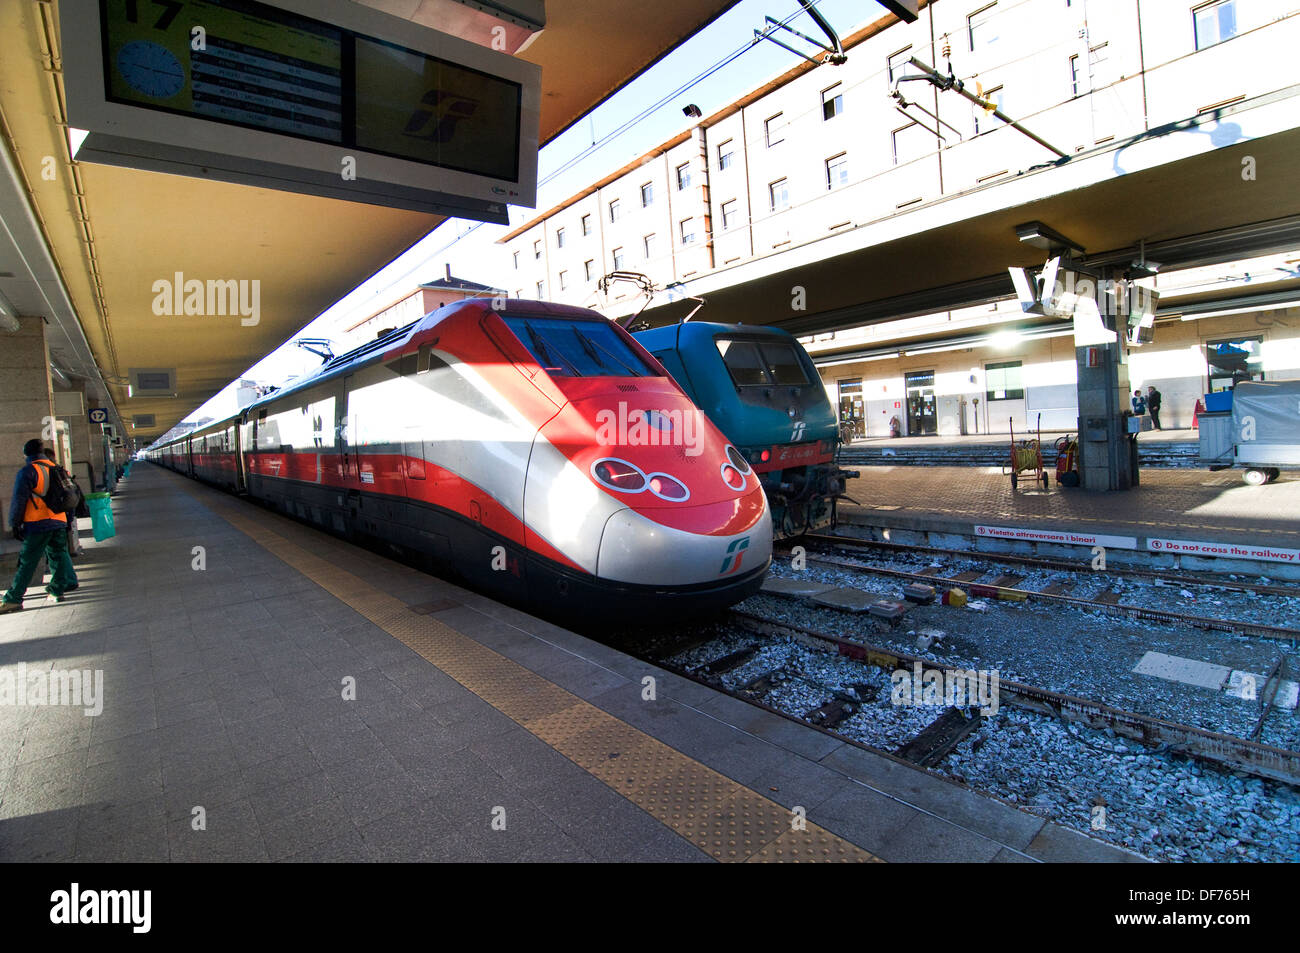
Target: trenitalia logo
736	551
438	115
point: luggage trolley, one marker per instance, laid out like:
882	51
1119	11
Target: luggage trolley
1027	455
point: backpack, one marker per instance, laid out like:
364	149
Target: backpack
61	495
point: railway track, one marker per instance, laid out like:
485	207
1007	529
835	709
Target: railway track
1100	604
928	748
849	543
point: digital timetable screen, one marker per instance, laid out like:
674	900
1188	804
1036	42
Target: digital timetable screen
253	65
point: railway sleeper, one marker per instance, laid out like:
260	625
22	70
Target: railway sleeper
832	713
727	663
937	740
762	684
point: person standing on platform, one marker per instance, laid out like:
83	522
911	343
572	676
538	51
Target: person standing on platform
1153	405
41	531
1139	403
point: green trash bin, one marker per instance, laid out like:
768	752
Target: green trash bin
101	516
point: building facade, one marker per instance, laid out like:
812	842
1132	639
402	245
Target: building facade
819	151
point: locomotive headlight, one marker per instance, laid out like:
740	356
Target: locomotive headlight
668	488
615	474
737	459
733	477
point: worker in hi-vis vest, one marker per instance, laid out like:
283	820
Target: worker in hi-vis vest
41	530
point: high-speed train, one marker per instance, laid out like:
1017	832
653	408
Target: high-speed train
538	451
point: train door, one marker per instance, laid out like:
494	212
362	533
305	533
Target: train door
922	412
416	367
241	474
346	429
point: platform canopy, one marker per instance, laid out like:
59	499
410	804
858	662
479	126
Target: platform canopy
102	237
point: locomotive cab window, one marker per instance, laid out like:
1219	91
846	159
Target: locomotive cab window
565	347
762	363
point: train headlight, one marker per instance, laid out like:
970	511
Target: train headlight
668	488
737	459
615	474
733	477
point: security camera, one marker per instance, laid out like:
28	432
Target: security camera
693	111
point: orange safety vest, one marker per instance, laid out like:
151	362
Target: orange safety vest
36	508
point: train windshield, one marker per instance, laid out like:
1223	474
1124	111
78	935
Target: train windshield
762	363
565	347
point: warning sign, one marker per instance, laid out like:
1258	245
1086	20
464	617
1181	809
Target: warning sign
1223	550
1068	537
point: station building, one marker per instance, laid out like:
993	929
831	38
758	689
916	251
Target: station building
815	154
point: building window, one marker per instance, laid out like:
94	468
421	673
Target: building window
896	64
774	130
980	28
1074	75
832	101
537	249
910	142
1214	22
726	154
994	96
541	290
837	171
614	209
1004	381
589	269
687	228
647	195
559	238
586	225
618	259
564	280
516	261
683	176
648	243
1233	360
778	194
728	214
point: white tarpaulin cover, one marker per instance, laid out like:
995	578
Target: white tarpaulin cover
1266	420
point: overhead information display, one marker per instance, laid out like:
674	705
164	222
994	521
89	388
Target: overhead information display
266	68
327	97
276	71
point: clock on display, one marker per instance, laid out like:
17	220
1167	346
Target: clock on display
151	69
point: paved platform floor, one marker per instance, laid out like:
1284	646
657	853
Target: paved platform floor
229	640
1171	504
1049	437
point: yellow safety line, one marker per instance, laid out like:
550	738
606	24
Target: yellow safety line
725	819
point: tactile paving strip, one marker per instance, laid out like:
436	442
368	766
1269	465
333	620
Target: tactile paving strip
729	822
